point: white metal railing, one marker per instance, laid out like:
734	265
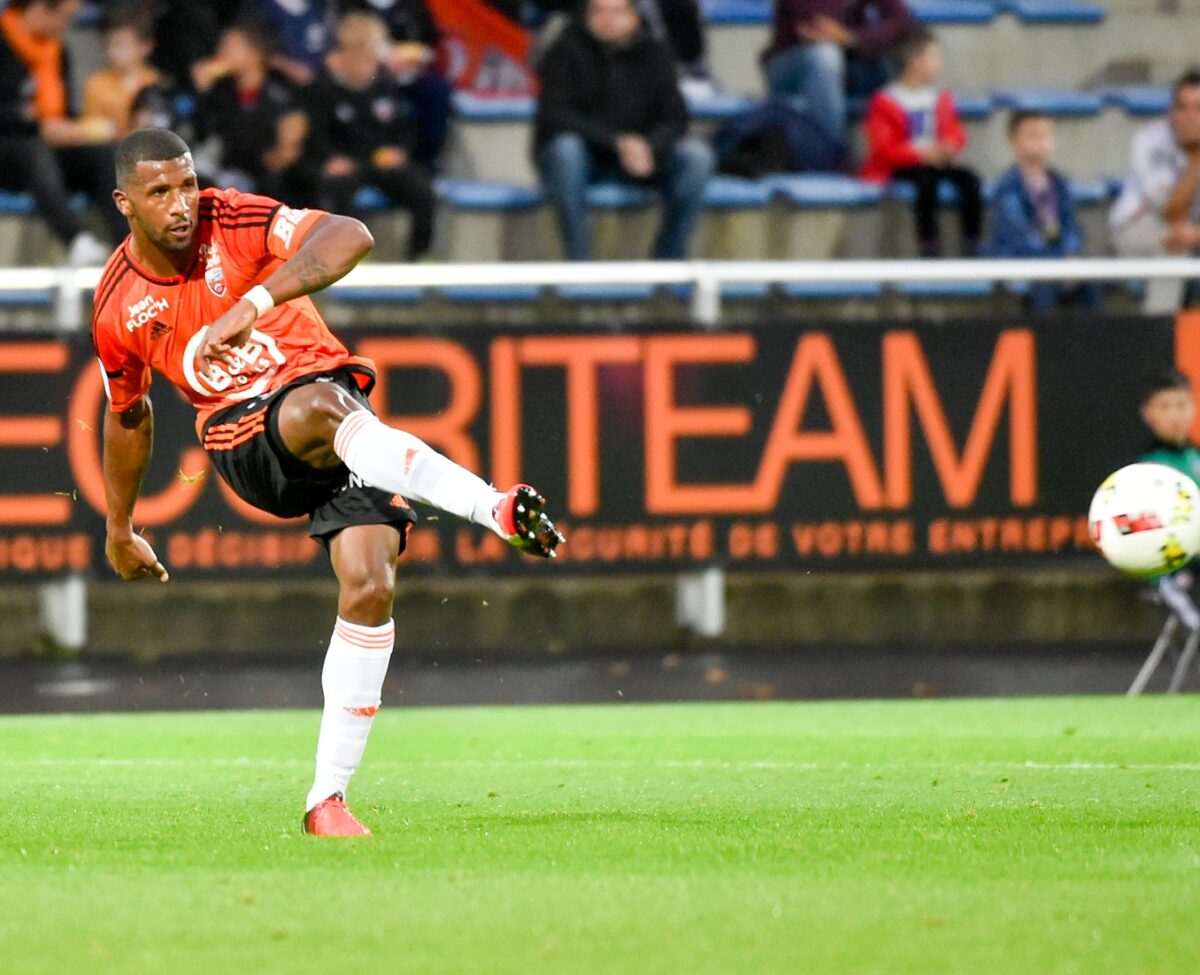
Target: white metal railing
706	277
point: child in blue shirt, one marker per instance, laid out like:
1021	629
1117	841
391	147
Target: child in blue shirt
1033	215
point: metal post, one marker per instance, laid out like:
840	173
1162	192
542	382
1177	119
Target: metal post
1156	655
700	602
62	611
706	299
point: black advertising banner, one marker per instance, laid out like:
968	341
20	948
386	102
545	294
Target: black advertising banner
850	446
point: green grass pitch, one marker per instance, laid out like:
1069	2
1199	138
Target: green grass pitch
1019	836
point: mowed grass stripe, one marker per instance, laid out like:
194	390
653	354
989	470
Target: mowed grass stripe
1051	835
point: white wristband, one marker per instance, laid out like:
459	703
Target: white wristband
261	299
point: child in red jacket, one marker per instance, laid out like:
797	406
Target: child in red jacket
914	134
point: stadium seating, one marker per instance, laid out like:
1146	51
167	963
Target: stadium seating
1001	55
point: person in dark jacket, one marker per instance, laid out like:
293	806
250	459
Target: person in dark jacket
412	60
46	149
812	42
363	132
254	111
610	108
1033	215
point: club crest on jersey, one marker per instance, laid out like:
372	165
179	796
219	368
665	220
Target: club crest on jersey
214	274
145	311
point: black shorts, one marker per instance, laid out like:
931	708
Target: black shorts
245	447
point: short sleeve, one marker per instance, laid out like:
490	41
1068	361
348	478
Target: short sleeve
256	229
288	229
126	377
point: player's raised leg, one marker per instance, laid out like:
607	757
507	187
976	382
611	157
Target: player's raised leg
323	425
364	560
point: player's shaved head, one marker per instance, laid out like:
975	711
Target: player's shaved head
147	145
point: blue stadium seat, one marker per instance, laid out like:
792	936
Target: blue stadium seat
30	298
736	11
1139	99
1053	11
730	191
491	292
1055	103
720	106
499	108
953	11
743	12
359	296
1091	192
605	292
905	192
750	290
973	106
754	290
615	195
832	290
472	195
824	190
944	289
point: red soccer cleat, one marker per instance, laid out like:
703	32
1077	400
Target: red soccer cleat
521	516
330	817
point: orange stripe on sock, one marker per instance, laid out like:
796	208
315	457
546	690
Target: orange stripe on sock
363	712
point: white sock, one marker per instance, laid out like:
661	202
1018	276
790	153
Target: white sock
352	679
396	461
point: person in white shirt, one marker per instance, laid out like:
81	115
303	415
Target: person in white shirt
1158	211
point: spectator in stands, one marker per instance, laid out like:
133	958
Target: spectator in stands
110	92
412	59
1158	211
253	110
811	42
184	32
44	149
302	32
363	131
914	135
610	108
1033	214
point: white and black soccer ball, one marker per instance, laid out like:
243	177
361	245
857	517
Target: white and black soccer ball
1145	519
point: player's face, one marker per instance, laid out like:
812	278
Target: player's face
163	202
1185	115
1169	414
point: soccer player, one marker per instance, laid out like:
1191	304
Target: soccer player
210	288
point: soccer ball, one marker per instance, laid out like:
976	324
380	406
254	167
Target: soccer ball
1145	519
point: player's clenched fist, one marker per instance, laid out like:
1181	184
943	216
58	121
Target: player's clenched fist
133	558
224	335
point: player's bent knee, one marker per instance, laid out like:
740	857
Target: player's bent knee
368	599
309	417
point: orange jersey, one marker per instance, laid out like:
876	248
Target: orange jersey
143	322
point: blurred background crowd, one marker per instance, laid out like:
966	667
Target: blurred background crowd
349	104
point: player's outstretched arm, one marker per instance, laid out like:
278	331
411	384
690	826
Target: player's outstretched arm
329	251
128	438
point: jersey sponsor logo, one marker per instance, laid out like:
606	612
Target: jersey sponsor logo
159	329
257	360
214	273
286	222
145	311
